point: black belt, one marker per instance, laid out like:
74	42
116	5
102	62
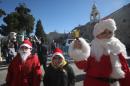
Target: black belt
108	80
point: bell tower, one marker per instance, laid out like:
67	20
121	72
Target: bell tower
95	15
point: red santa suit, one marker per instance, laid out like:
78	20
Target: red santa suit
106	65
24	72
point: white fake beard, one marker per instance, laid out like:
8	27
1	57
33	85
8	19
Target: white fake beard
99	48
102	47
24	55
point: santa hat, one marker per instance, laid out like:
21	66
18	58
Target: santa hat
104	24
59	52
27	43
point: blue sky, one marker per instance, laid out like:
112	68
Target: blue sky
64	15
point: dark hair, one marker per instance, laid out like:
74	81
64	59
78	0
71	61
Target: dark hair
42	40
77	38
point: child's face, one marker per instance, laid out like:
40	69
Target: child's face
57	60
77	44
107	34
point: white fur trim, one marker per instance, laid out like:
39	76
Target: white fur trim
117	72
104	24
116	47
77	54
115	84
57	53
107	46
26	45
0	59
99	48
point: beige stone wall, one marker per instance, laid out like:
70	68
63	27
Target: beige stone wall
122	18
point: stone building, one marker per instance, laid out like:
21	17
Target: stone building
122	18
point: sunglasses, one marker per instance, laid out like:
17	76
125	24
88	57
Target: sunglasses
24	48
57	58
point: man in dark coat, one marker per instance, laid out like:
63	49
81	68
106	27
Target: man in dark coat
59	72
42	53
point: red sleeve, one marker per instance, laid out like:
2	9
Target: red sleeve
124	63
11	71
9	75
81	64
125	81
37	72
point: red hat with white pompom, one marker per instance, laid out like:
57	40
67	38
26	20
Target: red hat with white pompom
59	52
27	43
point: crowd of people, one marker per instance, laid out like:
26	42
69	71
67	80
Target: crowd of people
29	66
104	61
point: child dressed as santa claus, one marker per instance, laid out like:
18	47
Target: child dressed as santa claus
24	70
105	63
